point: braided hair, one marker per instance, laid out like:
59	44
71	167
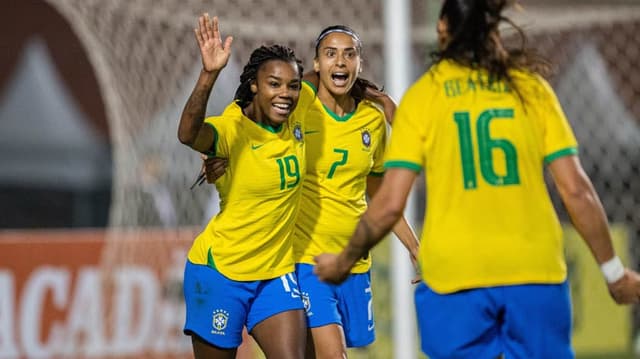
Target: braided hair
258	57
475	40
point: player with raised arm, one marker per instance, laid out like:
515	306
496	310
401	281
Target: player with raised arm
240	269
346	137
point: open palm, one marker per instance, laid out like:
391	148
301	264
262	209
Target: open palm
215	54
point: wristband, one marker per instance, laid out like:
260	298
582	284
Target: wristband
612	269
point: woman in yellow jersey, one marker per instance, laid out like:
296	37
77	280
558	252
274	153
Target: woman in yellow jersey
346	138
483	123
240	269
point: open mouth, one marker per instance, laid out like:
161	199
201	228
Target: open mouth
340	79
283	109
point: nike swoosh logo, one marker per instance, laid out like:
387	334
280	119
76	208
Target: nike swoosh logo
309	132
255	147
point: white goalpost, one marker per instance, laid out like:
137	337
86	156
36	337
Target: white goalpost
397	52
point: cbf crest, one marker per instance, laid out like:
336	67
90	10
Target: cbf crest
307	303
220	320
297	132
366	138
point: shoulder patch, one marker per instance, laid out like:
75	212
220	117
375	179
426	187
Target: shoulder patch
366	137
297	131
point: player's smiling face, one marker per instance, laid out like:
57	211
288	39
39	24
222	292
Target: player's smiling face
277	88
338	63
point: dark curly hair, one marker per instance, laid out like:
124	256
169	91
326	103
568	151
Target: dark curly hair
474	39
258	57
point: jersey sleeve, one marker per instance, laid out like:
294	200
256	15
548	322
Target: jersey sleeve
382	140
221	135
307	96
559	139
408	133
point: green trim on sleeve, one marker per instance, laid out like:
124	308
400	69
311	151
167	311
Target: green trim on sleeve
403	164
561	153
210	262
315	90
214	146
376	174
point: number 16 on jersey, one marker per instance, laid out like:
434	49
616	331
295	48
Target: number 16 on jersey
486	145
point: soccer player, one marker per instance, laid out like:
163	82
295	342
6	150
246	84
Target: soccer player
240	269
346	138
482	123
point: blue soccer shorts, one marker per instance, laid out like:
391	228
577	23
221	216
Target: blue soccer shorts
218	308
348	304
520	321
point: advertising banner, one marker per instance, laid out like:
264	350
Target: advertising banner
91	293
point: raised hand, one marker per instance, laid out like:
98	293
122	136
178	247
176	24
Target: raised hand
215	54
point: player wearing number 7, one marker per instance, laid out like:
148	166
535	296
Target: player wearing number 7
346	136
482	123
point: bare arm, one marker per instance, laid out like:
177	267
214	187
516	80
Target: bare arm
312	77
215	54
589	219
401	229
383	99
583	205
191	130
370	91
383	213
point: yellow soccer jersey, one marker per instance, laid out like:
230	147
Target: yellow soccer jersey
489	220
341	153
250	238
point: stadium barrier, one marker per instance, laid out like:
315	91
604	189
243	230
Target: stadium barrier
56	300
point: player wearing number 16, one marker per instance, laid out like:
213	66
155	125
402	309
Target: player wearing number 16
482	123
240	269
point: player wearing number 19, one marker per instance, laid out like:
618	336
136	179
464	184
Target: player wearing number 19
240	269
482	123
